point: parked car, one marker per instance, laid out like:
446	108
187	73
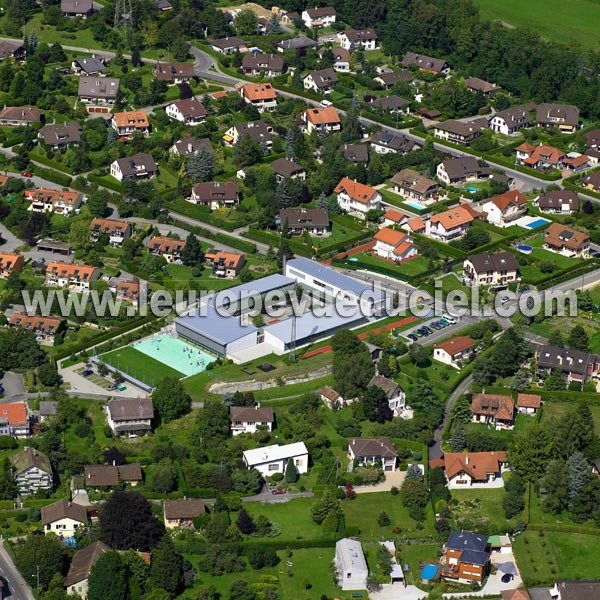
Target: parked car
507	577
413	337
1	389
87	372
448	318
26	174
427	330
278	491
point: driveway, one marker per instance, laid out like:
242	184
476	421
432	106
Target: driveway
392	479
397	591
13	384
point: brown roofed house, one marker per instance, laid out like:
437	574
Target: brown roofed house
229	45
44	328
331	398
116	230
563	116
394	393
458	170
73	276
320	81
463	469
77	8
559	202
128	290
356	198
112	476
19	116
505	209
455	350
189	111
32	471
495	409
298	220
449	225
437	66
482	86
225	264
138	166
9	263
182	511
413	185
496	270
260	95
130	416
460	132
265	65
76	581
98	93
284	167
529	404
174	73
64	518
357	153
130	122
250	419
169	248
216	194
370	451
566	241
324	120
60	135
188	145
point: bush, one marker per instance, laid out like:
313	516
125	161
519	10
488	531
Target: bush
383	520
8	443
21	517
276	477
262	556
394	490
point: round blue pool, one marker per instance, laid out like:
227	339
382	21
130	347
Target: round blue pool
472	189
353	259
525	249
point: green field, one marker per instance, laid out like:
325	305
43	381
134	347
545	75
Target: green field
545	557
139	365
573	21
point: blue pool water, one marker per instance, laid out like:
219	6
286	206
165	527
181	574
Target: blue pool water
174	353
525	248
428	572
537	223
415	204
471	188
353	259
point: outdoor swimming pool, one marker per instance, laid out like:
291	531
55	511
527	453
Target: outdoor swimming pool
472	189
428	573
415	204
537	223
174	353
525	249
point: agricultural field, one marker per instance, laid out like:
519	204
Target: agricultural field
574	21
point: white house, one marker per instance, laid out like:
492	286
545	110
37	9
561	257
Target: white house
189	111
261	95
315	18
366	39
480	469
529	404
250	419
357	198
274	459
369	451
455	350
75	277
64	518
393	245
505	209
351	565
509	121
394	393
32	471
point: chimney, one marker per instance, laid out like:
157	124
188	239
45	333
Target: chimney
114	463
467	460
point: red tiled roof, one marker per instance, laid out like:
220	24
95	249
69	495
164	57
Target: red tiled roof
497	406
476	464
529	400
456	344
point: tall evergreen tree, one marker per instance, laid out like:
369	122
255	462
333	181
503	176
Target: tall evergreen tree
166	568
579	469
192	254
291	473
555	487
200	166
108	578
245	522
458	440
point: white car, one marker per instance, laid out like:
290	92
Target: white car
451	320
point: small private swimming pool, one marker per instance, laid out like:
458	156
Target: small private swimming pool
428	573
525	249
537	223
471	188
415	204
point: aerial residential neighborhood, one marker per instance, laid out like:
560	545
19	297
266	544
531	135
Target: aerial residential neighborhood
299	301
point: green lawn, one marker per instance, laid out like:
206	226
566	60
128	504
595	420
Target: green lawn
481	508
312	566
412	268
531	272
574	21
139	365
544	557
521	422
556	410
363	511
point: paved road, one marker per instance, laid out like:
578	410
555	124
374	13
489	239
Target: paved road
17	587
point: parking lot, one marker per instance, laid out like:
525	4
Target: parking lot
422	331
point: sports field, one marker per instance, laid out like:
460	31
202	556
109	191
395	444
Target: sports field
575	20
139	365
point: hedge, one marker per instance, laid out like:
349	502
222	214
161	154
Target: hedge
51	175
12	141
198	547
563	528
567	274
274	240
111	185
197	212
223	238
103	337
53	164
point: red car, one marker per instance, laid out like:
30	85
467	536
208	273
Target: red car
26	174
278	491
